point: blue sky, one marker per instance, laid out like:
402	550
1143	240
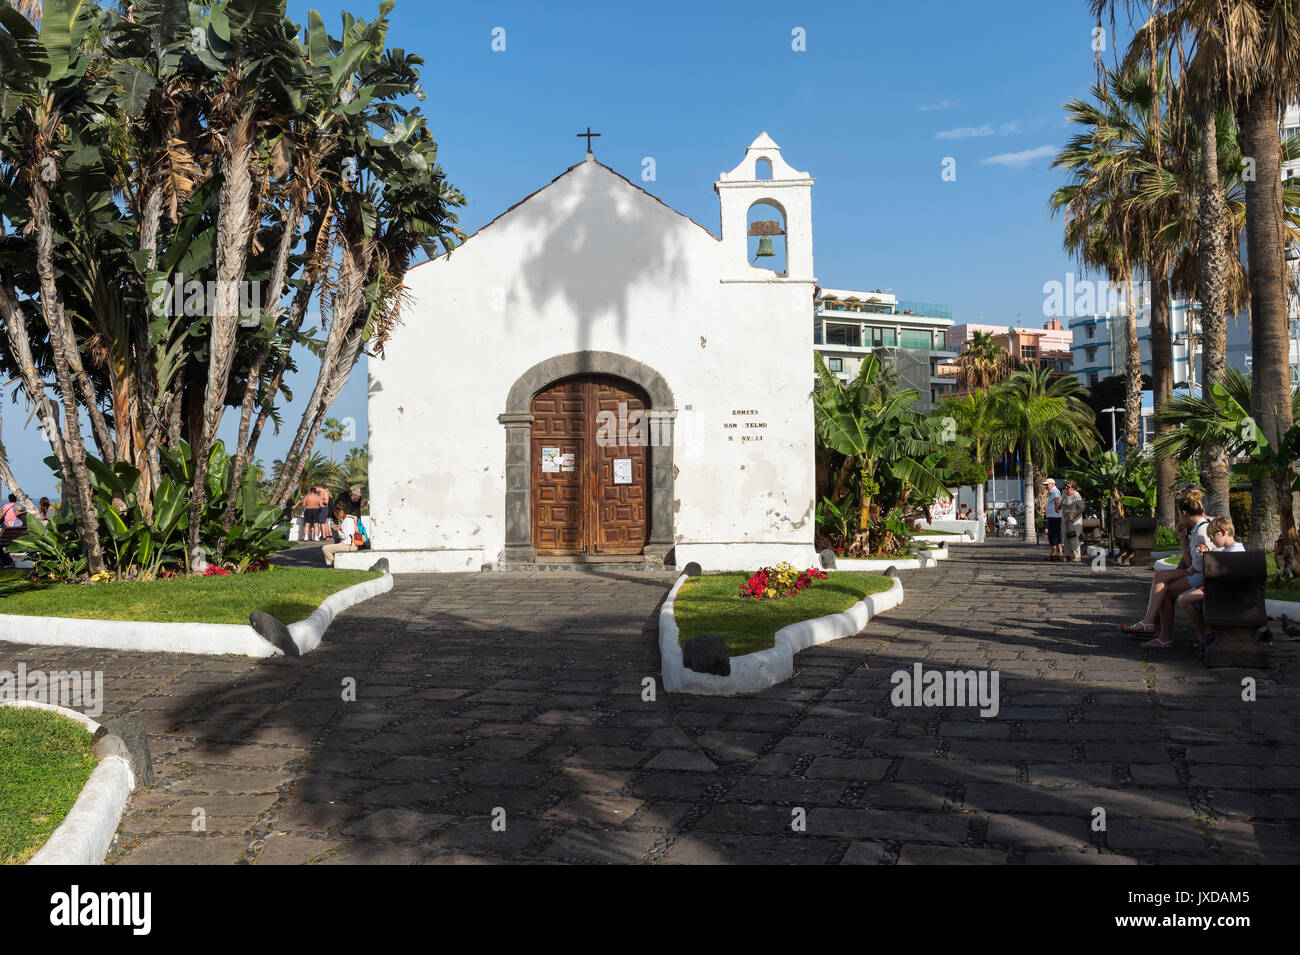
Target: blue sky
881	95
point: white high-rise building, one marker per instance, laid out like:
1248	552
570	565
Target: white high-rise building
1100	344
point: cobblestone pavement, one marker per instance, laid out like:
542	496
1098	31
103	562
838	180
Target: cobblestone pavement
490	693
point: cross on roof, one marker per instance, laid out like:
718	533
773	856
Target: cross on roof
588	134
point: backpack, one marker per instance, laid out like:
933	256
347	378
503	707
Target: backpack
361	539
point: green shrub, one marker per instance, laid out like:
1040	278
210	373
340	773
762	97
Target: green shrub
138	546
1239	511
1166	539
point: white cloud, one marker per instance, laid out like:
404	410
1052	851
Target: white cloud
1021	159
1008	129
944	104
965	132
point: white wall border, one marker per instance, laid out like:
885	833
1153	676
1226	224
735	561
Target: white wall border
202	638
1276	608
757	671
923	560
86	833
943	539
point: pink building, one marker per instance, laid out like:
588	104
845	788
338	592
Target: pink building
1052	338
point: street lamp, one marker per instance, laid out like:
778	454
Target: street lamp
1114	439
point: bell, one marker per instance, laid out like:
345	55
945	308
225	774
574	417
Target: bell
764	247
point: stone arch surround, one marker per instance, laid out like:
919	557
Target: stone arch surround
518	419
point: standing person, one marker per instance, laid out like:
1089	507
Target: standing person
9	514
352	500
310	513
1052	514
324	512
1072	508
44	505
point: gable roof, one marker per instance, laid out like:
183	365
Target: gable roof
576	165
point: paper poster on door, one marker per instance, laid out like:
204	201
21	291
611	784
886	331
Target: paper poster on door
551	460
566	462
622	470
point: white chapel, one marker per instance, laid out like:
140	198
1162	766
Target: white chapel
594	377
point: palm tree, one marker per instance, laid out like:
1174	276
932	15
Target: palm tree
316	471
355	471
982	364
1039	411
1104	227
1247	57
31	9
975	416
332	431
1198	422
879	435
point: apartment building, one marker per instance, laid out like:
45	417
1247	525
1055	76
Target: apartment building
908	336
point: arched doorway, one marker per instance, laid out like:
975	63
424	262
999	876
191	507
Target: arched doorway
589	476
575	389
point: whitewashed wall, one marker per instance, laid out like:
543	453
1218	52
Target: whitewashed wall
592	262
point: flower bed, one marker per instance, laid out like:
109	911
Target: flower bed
774	583
714	603
761	668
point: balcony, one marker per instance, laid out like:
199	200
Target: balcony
924	309
848	305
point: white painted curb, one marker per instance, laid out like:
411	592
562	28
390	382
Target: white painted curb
1276	608
757	671
942	539
922	561
202	638
86	833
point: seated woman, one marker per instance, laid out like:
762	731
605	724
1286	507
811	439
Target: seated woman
1169	584
347	525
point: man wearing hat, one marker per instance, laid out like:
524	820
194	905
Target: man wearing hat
1053	514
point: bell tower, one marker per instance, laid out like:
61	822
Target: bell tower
783	197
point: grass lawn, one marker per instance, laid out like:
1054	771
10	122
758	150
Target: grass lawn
711	603
287	593
930	533
1287	590
45	759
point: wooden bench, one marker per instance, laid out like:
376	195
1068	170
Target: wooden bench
1234	608
1136	538
7	536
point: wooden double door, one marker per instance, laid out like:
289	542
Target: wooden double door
589	466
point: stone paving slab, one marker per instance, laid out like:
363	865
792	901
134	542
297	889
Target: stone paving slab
499	718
